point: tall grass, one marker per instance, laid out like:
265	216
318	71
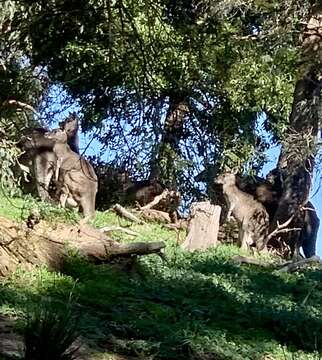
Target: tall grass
50	331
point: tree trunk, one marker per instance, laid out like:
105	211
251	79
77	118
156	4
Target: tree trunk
296	161
168	149
20	246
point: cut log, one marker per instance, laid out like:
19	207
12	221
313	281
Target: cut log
203	226
43	245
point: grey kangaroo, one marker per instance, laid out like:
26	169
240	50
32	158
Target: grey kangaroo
39	157
75	177
269	192
252	217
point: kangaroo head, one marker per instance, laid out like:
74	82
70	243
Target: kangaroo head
57	135
70	125
226	179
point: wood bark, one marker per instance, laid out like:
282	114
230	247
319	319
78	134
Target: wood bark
296	169
203	226
45	245
168	148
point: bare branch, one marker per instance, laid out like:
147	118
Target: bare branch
120	210
301	264
107	229
282	228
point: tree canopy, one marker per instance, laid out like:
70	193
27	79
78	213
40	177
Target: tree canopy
181	83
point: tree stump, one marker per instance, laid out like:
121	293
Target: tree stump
203	226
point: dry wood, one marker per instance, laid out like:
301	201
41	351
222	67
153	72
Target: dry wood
282	228
20	246
238	259
156	215
108	229
301	264
163	196
120	210
203	226
139	248
286	266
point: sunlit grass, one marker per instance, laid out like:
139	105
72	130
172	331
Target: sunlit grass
198	305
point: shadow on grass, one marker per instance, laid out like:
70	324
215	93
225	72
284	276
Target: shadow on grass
208	309
174	311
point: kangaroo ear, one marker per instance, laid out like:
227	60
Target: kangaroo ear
234	170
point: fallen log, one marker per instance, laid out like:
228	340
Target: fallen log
45	245
139	248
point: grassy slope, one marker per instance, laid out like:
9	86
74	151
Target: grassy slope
198	306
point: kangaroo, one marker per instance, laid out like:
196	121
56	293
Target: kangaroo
39	158
70	125
75	177
268	192
252	218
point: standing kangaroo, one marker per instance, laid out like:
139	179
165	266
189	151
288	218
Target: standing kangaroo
268	192
75	177
39	157
252	218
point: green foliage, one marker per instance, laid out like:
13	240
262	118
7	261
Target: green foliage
20	80
125	61
8	161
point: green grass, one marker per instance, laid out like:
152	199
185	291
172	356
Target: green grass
16	208
193	306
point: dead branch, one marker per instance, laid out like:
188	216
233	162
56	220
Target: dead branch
287	266
282	228
108	229
156	215
139	248
157	199
301	264
238	259
120	210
